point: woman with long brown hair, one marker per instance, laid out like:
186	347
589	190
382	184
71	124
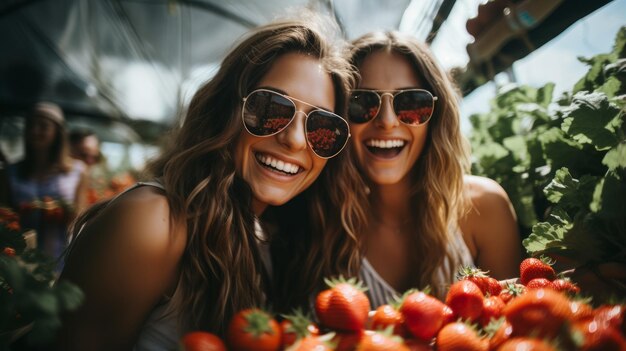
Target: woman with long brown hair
427	217
187	250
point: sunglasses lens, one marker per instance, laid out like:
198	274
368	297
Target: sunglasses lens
413	107
363	106
267	113
327	133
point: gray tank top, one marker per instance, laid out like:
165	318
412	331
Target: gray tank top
380	292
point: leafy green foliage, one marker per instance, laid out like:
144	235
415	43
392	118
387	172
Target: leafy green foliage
563	161
29	299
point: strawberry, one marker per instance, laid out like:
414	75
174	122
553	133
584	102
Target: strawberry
465	299
539	283
388	316
565	285
613	315
311	343
492	309
487	284
201	341
526	344
511	291
253	329
417	345
347	341
580	310
423	314
499	331
381	341
539	312
296	326
599	336
448	315
532	268
459	336
344	306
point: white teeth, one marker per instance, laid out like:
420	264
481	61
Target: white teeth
278	164
385	144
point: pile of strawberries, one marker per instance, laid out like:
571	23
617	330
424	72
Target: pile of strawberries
544	312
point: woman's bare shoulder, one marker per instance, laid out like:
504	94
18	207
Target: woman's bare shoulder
482	188
125	260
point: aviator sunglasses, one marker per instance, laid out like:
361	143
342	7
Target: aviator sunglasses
413	107
266	113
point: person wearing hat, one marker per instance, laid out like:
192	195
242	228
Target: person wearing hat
48	187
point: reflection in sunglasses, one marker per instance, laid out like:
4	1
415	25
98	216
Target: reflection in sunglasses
323	139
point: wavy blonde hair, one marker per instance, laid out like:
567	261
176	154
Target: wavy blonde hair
437	193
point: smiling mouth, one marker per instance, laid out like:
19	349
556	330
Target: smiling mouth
385	148
275	165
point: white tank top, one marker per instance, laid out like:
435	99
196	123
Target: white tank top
380	292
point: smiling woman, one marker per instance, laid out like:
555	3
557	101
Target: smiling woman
188	249
427	217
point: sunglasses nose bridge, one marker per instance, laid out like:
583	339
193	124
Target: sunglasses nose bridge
386	117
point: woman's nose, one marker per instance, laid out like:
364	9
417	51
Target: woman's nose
386	118
294	135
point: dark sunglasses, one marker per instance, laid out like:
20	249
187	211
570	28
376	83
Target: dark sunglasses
413	107
266	112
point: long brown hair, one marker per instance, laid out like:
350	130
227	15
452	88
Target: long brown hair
437	191
221	271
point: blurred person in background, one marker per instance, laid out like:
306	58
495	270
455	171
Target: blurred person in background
47	187
85	146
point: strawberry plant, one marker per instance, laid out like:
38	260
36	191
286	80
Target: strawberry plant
563	162
29	300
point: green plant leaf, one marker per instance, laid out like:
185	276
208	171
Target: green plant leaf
590	119
544	94
616	157
609	198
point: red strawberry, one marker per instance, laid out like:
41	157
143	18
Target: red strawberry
526	344
423	314
465	299
540	312
539	283
532	268
613	315
344	306
599	336
565	285
459	336
296	326
580	310
201	341
253	329
347	341
487	284
499	331
448	315
381	341
492	309
387	316
311	343
511	291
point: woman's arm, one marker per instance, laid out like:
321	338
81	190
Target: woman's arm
125	261
490	228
